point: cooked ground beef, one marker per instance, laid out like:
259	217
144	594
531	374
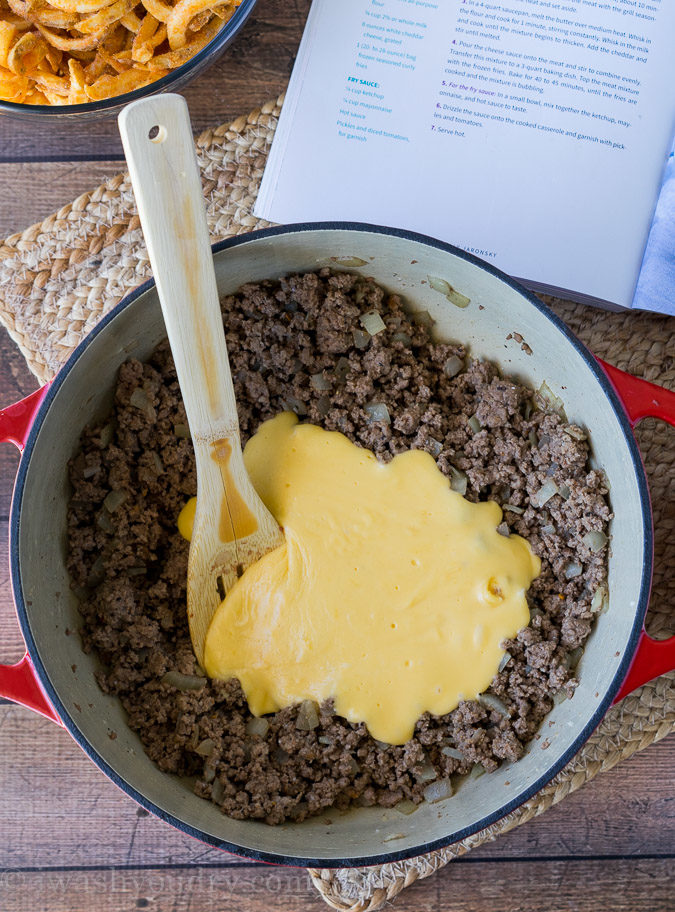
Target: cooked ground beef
128	562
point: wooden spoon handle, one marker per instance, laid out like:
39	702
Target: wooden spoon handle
159	149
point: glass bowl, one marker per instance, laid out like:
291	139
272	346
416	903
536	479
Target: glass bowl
110	107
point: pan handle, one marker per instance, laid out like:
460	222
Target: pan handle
642	399
19	682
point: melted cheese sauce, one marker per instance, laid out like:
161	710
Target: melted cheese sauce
391	594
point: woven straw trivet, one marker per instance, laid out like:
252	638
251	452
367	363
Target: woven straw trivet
58	278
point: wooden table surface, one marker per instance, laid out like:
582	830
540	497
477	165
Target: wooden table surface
71	842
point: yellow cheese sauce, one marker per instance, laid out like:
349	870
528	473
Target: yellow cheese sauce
391	594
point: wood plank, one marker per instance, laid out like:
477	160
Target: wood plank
253	70
615	885
53	798
34	190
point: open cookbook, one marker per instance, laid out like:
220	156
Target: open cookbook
532	133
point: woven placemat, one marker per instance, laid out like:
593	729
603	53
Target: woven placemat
59	277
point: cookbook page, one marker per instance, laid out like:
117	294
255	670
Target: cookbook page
532	133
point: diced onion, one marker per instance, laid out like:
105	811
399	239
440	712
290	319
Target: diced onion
106	436
564	492
182	431
453	366
97	572
114	500
157	460
573	569
422	318
393	836
137	570
458	480
352	262
139	399
403	338
458	299
452	752
437	791
319	382
512	508
308	716
474	424
439	284
206	747
434	446
599	600
532	438
552	402
548	530
103	522
575	432
291	404
506	658
257	726
382	745
361	338
324	739
323	405
217	791
90	471
595	541
342	368
548	490
377	411
182	681
477	770
490	701
406	806
425	773
372	322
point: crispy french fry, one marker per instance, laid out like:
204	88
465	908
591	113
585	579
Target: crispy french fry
8	35
26	54
200	20
83	43
78	51
181	16
158	9
105	17
81	6
107	86
132	22
12	87
141	50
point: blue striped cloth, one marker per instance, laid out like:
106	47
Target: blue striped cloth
655	288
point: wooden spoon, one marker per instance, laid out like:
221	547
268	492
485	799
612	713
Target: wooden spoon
232	527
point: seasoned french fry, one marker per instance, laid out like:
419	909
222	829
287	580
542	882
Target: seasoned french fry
141	50
83	43
56	52
81	6
159	10
8	34
105	86
181	16
13	87
26	54
105	17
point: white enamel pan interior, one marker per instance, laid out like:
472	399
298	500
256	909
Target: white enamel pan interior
402	262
